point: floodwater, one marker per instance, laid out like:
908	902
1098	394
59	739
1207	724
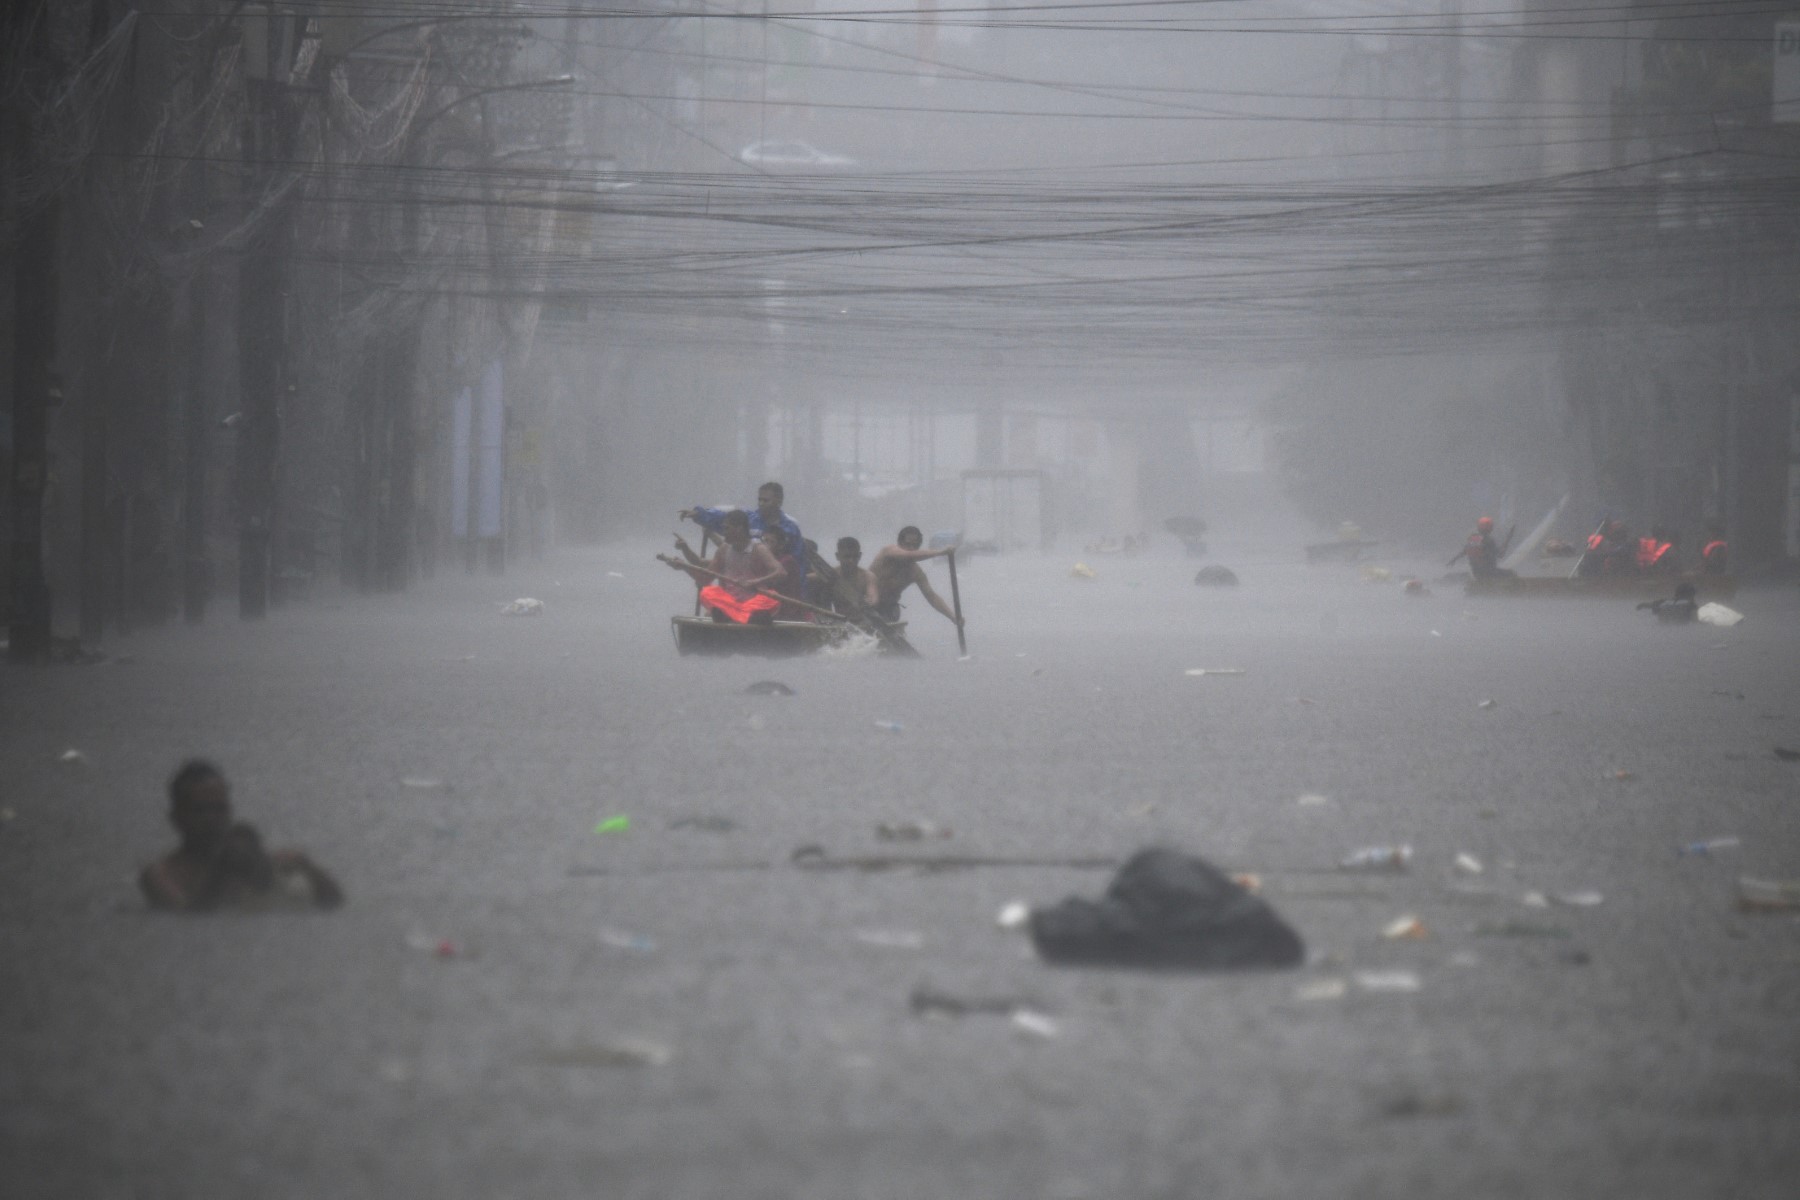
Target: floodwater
678	1010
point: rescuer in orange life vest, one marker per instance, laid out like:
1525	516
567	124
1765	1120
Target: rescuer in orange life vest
1483	555
1609	552
1656	553
1715	555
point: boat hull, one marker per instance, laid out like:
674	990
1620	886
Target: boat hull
779	639
1615	587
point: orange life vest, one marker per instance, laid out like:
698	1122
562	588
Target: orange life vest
1650	552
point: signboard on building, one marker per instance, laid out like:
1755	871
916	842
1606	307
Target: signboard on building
1787	72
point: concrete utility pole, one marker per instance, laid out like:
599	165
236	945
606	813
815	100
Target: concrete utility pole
263	295
1454	139
34	349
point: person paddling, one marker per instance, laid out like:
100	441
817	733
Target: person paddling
896	568
729	583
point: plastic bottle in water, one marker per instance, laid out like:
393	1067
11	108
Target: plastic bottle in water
1377	858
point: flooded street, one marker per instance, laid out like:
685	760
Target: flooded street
516	1004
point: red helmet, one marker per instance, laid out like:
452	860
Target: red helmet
1485	524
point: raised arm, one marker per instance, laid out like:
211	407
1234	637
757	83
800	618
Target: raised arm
936	601
706	518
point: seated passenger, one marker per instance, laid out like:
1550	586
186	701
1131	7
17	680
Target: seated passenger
792	583
1715	555
729	584
1656	553
845	587
222	865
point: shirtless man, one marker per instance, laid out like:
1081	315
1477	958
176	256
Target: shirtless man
729	583
897	568
220	864
844	588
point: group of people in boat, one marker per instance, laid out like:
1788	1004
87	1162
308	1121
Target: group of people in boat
1610	551
766	570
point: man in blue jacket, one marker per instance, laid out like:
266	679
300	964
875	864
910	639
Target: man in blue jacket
767	514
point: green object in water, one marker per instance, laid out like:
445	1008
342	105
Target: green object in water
617	824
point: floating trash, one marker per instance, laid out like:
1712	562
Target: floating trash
1014	915
1394	859
1408	928
1714	613
910	831
1768	895
1387	981
1322	989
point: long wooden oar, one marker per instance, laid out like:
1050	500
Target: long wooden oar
962	643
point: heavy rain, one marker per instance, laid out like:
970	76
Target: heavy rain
825	599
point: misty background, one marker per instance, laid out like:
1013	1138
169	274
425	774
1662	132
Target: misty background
317	293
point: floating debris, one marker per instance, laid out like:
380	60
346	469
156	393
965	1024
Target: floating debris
1768	895
1322	989
1392	859
1387	981
891	939
910	831
1408	928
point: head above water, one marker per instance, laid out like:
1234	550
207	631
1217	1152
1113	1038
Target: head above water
200	804
910	538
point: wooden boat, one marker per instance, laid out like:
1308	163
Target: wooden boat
778	639
1616	587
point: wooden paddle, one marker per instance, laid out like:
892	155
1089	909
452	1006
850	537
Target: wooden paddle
962	643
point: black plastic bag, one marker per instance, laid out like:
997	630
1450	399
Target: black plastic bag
1167	909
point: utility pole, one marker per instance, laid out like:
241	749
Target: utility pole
34	334
1454	141
262	313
